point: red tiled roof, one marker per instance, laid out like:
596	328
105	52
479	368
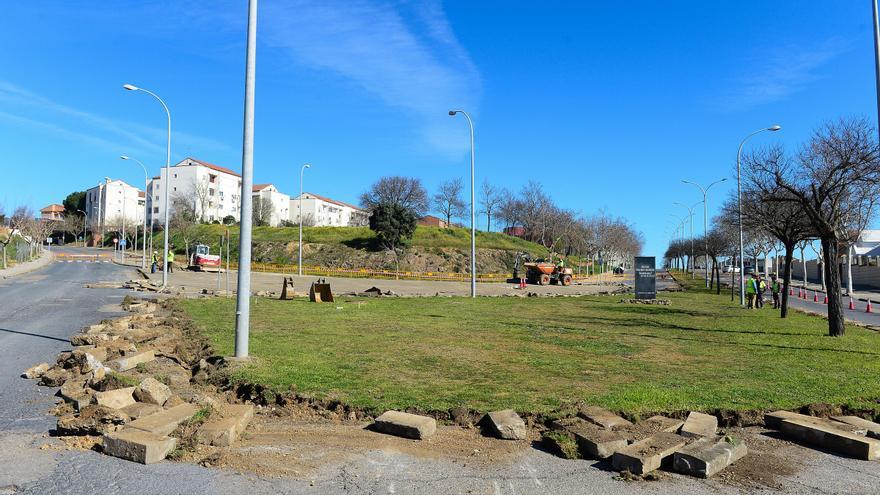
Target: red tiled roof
260	187
340	203
53	208
142	194
214	167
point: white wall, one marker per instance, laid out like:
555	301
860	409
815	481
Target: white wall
222	191
324	213
116	198
280	204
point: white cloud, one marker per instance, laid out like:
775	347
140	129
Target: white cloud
782	73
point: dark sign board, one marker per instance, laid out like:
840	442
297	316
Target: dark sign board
645	277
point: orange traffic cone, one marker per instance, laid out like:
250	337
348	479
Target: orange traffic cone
815	297
790	291
826	299
868	309
851	304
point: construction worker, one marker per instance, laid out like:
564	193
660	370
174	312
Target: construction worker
775	288
752	290
170	259
155	262
762	287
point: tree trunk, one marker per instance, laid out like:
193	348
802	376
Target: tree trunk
789	255
832	275
733	276
4	256
488	222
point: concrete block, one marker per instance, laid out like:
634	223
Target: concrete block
115	399
647	455
77	393
833	439
36	371
602	417
141	409
507	424
165	422
644	429
698	424
871	428
152	391
405	425
138	446
708	456
224	431
774	420
596	442
99	353
126	363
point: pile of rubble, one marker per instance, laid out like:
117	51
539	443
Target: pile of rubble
691	447
128	383
657	302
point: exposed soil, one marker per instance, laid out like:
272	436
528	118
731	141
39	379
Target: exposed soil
769	458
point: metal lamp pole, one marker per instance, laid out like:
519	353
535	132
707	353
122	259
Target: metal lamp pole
876	25
146	185
84	226
243	301
300	262
167	180
690	210
742	281
705	218
473	211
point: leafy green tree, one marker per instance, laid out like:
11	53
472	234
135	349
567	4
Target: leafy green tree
393	224
74	201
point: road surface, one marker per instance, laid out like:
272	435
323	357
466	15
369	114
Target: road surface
39	311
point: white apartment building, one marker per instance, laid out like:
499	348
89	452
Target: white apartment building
325	212
212	191
113	201
274	205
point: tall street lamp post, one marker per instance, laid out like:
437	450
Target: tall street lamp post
146	185
690	210
705	219
300	262
166	182
473	210
742	284
84	226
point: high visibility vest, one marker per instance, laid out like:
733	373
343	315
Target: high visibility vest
762	286
170	256
751	286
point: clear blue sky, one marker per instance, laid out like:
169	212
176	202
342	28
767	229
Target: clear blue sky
607	104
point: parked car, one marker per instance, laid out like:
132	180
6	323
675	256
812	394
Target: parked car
731	269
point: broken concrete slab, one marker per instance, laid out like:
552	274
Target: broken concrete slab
405	425
76	393
644	429
647	455
165	422
699	424
774	420
55	377
128	362
224	431
507	424
141	409
152	391
871	428
97	352
602	417
708	456
596	442
92	420
138	446
115	399
35	371
91	339
833	439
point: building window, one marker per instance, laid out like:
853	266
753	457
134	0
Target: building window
156	210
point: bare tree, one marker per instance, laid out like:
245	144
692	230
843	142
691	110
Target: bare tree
835	183
491	199
184	219
5	234
202	198
407	192
448	200
262	212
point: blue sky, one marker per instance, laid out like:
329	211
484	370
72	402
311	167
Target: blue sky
609	105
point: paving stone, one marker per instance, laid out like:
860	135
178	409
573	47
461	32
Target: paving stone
405	425
871	428
115	399
99	353
699	424
141	409
774	420
224	431
596	442
76	393
602	417
647	455
138	446
708	456
92	420
644	429
90	339
152	391
833	439
36	371
165	422
507	424
126	363
55	377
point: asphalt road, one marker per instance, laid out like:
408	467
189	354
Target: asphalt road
39	311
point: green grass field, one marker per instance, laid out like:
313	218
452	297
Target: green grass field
538	354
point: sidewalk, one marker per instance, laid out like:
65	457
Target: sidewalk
20	269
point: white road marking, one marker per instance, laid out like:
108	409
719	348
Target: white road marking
497	488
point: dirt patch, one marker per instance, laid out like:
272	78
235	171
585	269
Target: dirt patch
770	458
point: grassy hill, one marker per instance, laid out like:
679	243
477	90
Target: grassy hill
430	249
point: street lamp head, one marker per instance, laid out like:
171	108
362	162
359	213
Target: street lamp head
723	179
124	157
774	128
452	113
130	87
307	165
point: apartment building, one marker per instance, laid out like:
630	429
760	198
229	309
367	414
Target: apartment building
211	191
270	206
113	202
325	212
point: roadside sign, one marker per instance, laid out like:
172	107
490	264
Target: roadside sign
645	277
115	240
123	242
